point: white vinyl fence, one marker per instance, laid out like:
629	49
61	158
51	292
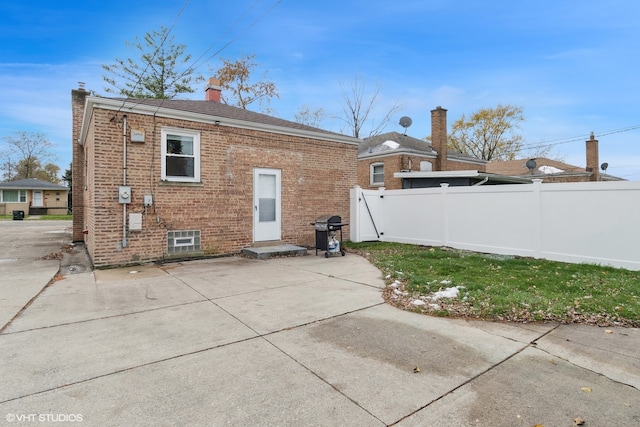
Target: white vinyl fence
586	222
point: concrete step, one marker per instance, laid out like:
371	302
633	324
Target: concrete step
266	252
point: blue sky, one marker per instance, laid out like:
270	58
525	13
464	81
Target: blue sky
571	65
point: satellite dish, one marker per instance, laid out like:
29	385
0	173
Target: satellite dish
405	122
531	165
604	166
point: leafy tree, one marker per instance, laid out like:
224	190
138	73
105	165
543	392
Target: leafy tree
309	116
49	172
68	175
359	106
239	90
31	149
160	71
489	133
68	178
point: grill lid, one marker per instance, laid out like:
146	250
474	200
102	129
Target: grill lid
329	219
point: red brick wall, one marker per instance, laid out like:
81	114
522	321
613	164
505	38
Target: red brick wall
316	178
392	164
593	164
77	165
399	162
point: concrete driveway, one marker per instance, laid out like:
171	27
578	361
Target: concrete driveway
303	341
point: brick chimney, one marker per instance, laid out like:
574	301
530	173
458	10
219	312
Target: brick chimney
439	136
592	158
78	98
213	91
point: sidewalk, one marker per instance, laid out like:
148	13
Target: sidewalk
296	341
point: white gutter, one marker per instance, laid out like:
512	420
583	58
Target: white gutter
438	174
465	174
486	178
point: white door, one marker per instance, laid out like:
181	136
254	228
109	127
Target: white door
266	204
37	199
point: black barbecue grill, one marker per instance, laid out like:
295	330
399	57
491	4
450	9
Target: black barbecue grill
328	228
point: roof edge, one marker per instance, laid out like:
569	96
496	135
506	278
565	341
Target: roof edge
133	107
462	174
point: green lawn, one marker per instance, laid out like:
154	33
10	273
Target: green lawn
41	217
505	288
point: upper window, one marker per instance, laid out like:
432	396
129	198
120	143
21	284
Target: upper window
377	174
180	155
13	196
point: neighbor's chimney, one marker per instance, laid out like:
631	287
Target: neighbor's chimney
439	136
213	91
592	158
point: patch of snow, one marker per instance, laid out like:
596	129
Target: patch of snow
395	284
391	144
445	282
452	292
548	170
417	302
435	306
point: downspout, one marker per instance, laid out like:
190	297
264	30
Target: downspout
485	179
124	179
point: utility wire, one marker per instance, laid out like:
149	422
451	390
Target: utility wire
162	42
561	141
227	31
195	64
246	28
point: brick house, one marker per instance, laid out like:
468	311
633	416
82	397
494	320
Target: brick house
382	157
157	179
549	170
33	197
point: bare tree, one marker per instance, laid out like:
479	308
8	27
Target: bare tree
359	107
310	116
236	78
160	71
31	149
8	166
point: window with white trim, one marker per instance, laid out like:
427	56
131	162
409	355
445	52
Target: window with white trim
180	155
13	196
377	174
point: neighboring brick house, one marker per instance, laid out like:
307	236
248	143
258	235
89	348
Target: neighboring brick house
156	179
381	157
549	170
33	197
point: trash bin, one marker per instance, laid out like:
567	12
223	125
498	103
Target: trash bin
18	215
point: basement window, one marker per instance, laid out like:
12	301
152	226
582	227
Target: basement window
183	241
180	155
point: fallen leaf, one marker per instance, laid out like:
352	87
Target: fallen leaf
538	425
416	370
586	389
578	421
553	361
608	331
